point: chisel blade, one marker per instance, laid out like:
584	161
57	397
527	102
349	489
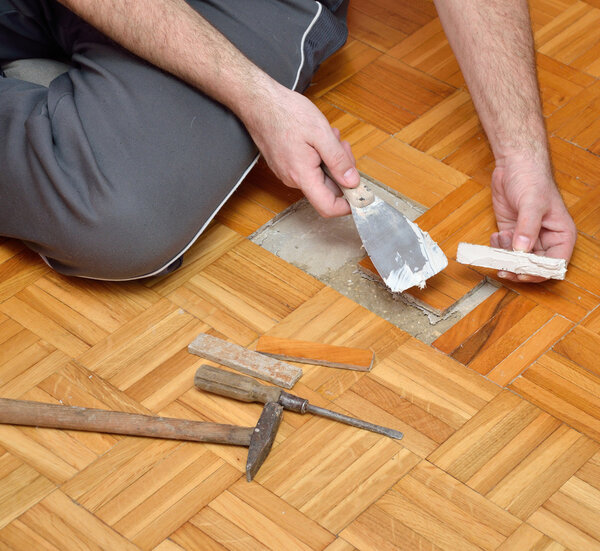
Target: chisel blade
309	408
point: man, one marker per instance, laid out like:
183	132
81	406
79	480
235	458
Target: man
115	169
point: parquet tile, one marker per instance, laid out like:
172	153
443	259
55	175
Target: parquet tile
410	172
388	93
428	50
527	538
571	515
354	56
372	31
428	509
514	454
501	417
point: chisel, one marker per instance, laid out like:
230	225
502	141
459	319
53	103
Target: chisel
246	389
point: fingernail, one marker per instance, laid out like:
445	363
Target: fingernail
503	275
521	243
351	176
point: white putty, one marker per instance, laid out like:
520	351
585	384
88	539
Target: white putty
511	261
403	277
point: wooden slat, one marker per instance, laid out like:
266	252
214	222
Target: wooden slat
327	355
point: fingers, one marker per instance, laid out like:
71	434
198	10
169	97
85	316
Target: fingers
326	197
504	240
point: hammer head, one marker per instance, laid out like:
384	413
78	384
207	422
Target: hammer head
263	437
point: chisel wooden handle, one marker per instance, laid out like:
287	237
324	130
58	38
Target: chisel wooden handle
232	385
38	414
358	197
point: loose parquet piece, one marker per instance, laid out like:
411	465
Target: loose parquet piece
245	361
331	318
327	355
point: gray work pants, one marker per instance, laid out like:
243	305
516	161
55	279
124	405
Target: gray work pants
115	168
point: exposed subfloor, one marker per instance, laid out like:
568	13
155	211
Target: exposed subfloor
329	249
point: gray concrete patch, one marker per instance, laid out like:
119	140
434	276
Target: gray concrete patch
329	249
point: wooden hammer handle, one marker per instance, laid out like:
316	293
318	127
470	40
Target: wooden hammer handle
38	414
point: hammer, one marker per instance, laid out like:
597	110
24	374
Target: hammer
258	439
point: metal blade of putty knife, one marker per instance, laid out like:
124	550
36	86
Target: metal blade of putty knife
403	254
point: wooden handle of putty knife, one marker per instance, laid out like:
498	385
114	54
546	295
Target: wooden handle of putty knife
38	414
358	197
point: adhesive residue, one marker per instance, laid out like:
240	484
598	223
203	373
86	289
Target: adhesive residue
403	277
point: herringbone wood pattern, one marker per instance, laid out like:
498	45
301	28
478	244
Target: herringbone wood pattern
501	416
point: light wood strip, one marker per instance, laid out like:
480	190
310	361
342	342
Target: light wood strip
527	538
523	356
374	32
69	526
225	533
562	531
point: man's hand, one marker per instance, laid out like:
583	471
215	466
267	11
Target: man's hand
530	213
294	137
493	43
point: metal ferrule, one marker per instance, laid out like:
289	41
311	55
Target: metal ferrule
293	403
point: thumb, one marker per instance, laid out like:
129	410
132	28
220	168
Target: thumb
338	158
527	230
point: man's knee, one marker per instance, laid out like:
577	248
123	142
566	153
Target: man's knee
126	239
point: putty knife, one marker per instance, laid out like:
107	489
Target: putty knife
403	254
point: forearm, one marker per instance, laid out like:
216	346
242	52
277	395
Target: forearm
174	37
493	43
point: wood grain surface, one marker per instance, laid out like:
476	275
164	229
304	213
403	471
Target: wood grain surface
501	416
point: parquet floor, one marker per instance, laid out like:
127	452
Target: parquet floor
501	415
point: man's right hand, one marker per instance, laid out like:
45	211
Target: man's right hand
295	137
